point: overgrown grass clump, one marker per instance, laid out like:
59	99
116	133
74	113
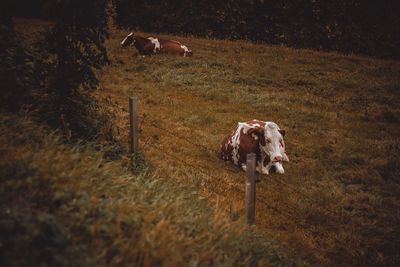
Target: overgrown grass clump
67	205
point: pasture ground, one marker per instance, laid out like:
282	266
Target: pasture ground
338	202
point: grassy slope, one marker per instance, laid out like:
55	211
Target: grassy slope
63	205
70	205
338	203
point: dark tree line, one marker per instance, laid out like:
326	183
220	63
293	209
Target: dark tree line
360	26
56	75
18	65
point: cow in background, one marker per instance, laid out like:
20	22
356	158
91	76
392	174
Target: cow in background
265	139
151	45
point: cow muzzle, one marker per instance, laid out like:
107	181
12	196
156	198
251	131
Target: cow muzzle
277	158
278	167
124	44
277	161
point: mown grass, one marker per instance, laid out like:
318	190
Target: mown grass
64	205
338	202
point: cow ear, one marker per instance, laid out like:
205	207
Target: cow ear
259	132
283	132
261	136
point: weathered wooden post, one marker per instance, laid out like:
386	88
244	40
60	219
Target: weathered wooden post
134	133
250	200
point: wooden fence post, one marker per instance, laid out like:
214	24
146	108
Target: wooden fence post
250	200
134	133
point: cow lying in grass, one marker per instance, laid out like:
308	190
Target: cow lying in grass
265	139
151	45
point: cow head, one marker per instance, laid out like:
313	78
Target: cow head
128	40
271	144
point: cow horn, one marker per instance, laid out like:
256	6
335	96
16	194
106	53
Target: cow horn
285	157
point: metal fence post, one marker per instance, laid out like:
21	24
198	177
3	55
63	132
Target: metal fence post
250	200
134	133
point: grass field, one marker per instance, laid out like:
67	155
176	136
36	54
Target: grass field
337	203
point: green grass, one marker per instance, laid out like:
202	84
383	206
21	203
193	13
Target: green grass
337	203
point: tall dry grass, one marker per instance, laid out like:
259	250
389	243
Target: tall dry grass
69	205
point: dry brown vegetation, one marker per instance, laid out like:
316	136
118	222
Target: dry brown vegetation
91	204
337	204
70	206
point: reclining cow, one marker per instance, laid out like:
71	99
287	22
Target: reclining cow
265	139
151	45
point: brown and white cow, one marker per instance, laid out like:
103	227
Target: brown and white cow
151	45
263	138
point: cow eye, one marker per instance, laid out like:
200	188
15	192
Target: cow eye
268	140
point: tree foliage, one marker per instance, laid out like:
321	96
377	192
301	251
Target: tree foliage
18	66
77	41
75	46
369	27
63	69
